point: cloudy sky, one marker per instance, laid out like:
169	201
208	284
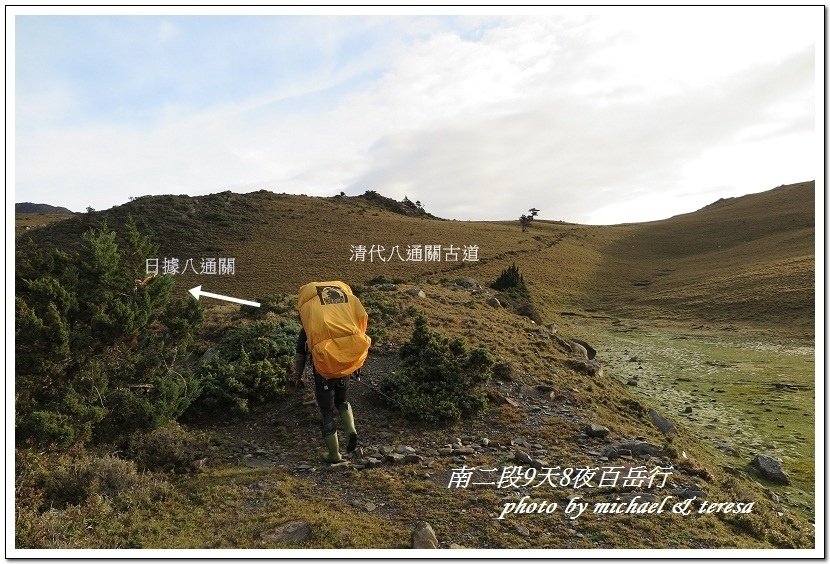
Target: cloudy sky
606	116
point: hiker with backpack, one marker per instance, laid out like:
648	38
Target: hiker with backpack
334	332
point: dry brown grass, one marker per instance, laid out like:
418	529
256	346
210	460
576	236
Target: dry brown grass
745	260
24	222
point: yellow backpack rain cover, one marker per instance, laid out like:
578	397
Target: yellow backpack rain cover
335	326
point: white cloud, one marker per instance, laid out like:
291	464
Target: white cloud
586	118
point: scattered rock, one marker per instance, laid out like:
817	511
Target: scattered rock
589	350
494	302
632	382
664	425
689	493
395	458
520	441
291	532
728	449
454	546
631	448
522	457
464	450
467	282
445	451
339	466
585	366
413	459
578	350
538	464
688	409
485	442
522	530
641	497
511	401
369	506
596	431
198	465
423	536
770	468
416	292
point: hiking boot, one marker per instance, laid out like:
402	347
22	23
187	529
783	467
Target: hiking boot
347	420
332	455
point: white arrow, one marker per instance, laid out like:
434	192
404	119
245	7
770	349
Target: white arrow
197	291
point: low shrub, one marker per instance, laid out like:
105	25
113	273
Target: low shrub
99	345
514	295
168	449
385	311
73	526
382	280
68	499
278	304
509	278
49	480
439	379
251	365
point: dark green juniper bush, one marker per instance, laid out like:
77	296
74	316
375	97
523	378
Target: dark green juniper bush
439	379
98	345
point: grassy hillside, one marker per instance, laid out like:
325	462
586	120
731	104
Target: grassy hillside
740	260
747	260
29	207
24	222
743	267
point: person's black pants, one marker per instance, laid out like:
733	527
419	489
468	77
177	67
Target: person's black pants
330	395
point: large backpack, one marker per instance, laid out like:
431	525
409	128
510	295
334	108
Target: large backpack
335	326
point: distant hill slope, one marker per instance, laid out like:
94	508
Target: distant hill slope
280	241
745	260
29	207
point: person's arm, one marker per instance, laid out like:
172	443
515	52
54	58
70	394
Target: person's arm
299	359
299	366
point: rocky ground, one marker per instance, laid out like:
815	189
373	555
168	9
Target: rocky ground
408	473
